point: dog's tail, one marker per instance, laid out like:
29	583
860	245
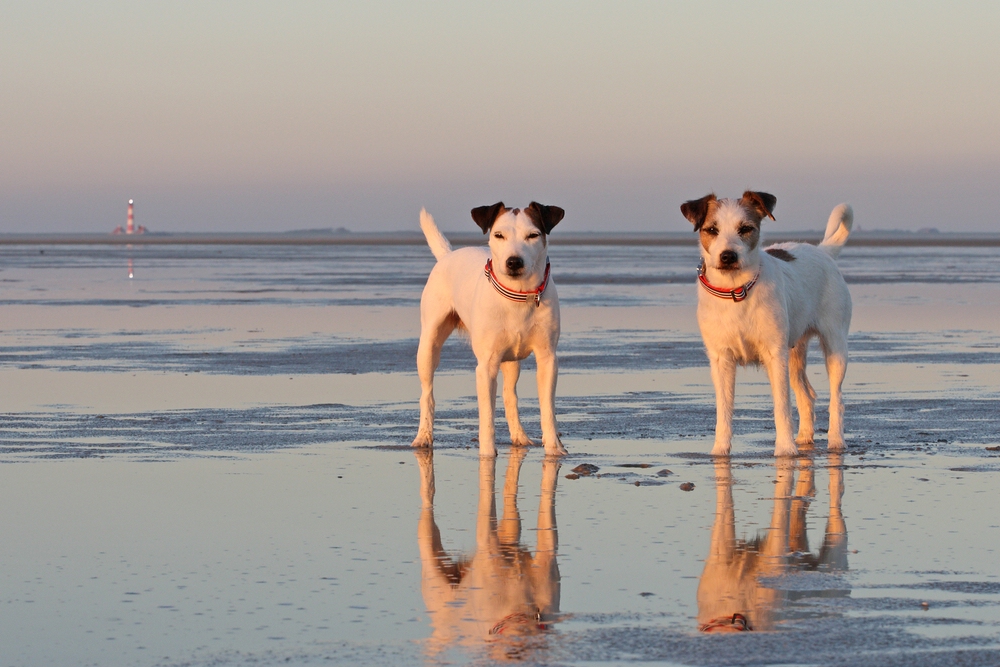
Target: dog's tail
435	239
838	228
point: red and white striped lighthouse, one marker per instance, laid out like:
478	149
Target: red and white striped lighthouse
130	227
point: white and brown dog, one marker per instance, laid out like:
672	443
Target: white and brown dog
764	306
505	299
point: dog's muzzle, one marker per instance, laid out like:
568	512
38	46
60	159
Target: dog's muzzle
514	265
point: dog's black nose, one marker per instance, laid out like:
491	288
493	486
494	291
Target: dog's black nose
728	257
515	264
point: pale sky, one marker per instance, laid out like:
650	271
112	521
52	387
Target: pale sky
274	116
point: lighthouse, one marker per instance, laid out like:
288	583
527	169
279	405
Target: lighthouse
130	227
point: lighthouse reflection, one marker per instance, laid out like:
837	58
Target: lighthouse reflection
738	589
500	596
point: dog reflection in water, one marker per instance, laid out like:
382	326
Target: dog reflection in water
501	590
733	594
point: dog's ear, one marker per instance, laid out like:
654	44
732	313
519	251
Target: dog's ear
544	217
485	216
759	202
696	210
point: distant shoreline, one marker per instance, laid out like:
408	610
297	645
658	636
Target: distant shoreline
859	238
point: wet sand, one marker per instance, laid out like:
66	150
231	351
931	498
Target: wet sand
208	464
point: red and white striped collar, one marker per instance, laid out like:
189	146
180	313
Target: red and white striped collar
515	295
736	294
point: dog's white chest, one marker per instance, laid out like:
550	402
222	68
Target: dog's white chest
735	328
524	330
516	347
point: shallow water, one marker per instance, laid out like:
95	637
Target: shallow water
208	463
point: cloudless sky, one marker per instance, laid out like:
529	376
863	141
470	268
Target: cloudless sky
249	116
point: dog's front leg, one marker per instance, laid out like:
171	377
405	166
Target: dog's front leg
511	372
486	392
724	378
777	373
548	372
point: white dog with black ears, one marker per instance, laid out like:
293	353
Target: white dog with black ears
763	307
504	297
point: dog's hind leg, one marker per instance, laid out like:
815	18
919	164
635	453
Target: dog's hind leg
836	368
724	378
511	372
805	395
777	373
434	331
547	374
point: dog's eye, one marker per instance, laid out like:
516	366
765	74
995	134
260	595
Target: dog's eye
712	231
533	235
498	235
746	229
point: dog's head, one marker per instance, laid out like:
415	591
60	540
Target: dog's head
518	237
730	228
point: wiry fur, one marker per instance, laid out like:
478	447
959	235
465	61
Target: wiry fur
502	332
792	301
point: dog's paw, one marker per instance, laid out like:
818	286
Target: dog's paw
785	449
555	449
423	440
836	444
722	449
804	439
487	451
521	440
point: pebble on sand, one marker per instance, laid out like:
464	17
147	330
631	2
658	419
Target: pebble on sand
664	473
572	475
687	486
586	469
